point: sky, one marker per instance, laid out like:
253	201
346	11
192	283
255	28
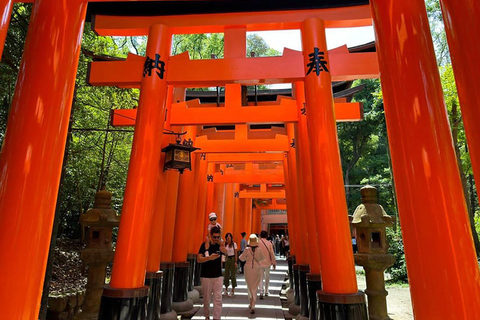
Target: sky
335	37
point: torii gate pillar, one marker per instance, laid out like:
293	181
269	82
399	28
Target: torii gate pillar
336	256
126	289
32	153
435	226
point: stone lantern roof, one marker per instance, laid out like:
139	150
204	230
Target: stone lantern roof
370	213
101	214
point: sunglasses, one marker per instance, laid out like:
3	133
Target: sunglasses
213	219
216	237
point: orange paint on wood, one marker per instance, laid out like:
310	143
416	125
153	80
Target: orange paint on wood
33	149
428	186
170	210
131	252
184	214
356	16
229	210
199	210
218	72
336	257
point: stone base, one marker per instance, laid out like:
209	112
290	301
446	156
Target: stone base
199	289
294	309
172	315
300	317
194	295
290	296
86	316
182	306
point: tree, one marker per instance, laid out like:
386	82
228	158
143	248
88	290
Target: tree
364	149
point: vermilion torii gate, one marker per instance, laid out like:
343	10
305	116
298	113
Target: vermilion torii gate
441	262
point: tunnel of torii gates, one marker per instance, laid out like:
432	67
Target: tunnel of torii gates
443	272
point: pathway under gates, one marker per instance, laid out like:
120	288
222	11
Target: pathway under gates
236	308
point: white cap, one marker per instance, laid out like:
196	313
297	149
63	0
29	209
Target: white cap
212	215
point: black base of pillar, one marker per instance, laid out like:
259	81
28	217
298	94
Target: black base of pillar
290	261
168	269
123	304
314	284
154	281
303	269
296	285
332	306
180	282
191	258
198	269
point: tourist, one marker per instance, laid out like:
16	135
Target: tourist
252	257
211	274
243	245
212	216
230	264
267	250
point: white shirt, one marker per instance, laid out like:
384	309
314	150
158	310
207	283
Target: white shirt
231	250
267	250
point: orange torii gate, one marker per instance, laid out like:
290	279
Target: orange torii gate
426	176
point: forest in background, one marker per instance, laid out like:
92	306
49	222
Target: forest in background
98	154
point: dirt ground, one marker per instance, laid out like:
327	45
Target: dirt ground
399	303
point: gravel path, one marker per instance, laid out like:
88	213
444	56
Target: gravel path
399	303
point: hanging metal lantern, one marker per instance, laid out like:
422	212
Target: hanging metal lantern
177	155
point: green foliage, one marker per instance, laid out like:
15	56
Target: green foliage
96	157
364	150
398	271
437	30
257	44
10	62
477	221
199	46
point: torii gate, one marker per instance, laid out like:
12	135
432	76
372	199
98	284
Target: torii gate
417	126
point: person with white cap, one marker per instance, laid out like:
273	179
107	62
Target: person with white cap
212	216
252	256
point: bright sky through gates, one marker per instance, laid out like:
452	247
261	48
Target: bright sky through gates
335	38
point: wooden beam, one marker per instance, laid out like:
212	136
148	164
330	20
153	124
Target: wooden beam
182	115
266	195
244	157
345	17
249	177
286	111
218	72
279	144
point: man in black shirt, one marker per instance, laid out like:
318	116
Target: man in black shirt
211	274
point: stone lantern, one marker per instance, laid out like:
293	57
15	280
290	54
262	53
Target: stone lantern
97	226
370	222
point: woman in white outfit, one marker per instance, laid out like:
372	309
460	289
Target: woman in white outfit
252	257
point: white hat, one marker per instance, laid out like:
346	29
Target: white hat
212	215
253	240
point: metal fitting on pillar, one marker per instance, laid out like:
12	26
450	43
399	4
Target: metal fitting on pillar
168	269
303	269
296	284
154	281
314	284
181	303
116	301
345	306
191	258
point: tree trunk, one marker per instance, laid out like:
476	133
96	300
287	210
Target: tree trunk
471	213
